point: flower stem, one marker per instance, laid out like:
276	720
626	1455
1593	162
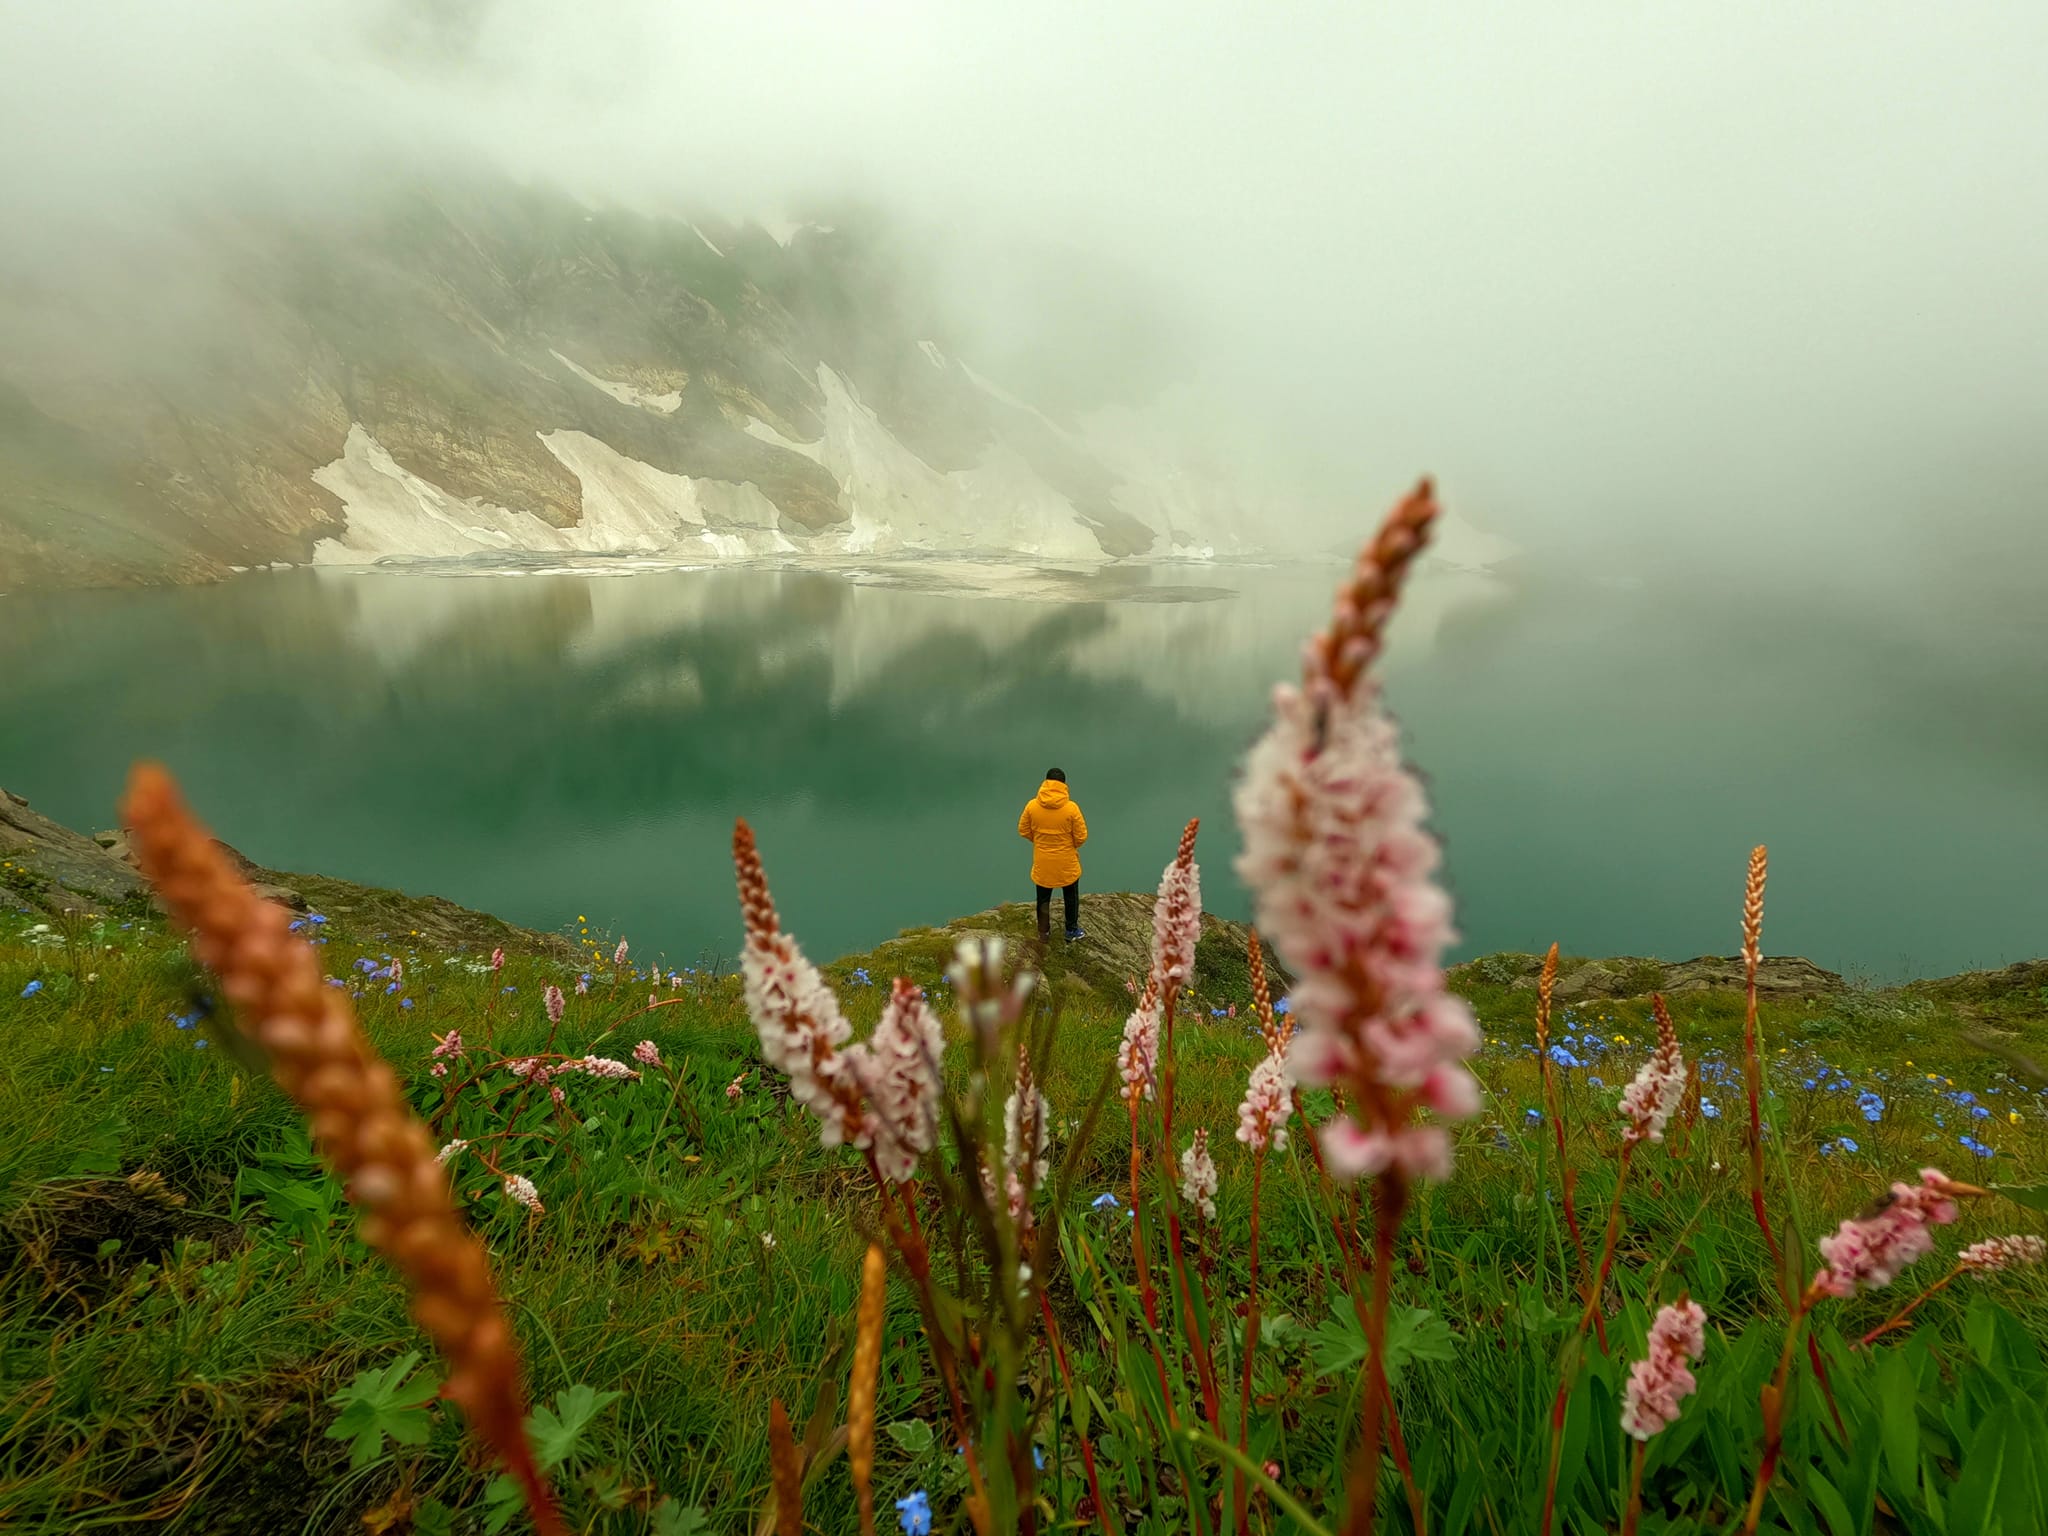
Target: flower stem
1898	1318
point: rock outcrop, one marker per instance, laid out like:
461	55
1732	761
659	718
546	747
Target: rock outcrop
1633	976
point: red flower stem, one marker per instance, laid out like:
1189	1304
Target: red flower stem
1239	1489
1898	1318
1361	1499
1772	1403
1633	1509
1059	1355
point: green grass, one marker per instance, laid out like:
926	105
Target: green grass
168	1352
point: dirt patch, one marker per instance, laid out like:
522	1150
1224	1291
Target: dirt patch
81	1235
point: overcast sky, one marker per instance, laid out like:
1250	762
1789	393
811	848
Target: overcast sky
1743	281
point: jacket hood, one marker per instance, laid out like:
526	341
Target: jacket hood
1052	794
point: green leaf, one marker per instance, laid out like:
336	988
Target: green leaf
912	1436
1338	1345
1898	1388
1831	1503
1416	1333
2033	1196
555	1431
383	1404
433	1518
1982	1471
673	1519
502	1500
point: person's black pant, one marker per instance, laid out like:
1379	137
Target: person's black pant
1072	897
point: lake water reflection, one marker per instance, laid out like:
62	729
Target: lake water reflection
549	745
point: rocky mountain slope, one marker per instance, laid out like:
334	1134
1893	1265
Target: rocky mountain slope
504	371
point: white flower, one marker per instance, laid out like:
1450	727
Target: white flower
521	1189
450	1150
1268	1101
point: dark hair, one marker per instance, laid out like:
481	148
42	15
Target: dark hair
1056	775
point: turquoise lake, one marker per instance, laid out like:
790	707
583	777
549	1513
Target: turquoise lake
1601	757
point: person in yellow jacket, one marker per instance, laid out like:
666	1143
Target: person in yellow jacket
1056	829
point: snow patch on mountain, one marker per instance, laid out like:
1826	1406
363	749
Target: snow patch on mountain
625	394
896	501
628	508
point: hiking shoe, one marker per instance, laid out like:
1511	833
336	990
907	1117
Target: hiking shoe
1075	933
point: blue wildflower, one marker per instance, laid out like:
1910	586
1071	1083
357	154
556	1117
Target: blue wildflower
511	989
1038	1458
1284	1005
1871	1105
295	925
1847	1144
405	1002
1979	1112
861	977
391	989
1104	1201
1594	1082
316	919
366	966
32	989
915	1514
1564	1058
1710	1109
336	981
1976	1146
199	1044
1532	1117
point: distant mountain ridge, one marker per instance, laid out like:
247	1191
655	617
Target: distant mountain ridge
505	369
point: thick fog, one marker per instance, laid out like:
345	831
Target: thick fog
1647	286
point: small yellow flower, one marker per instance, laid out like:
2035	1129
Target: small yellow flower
1623	1039
1934	1077
1909	1061
2013	1115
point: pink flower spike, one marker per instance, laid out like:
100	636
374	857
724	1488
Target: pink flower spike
604	1066
736	1087
1650	1101
1198	1176
1268	1102
1870	1251
1137	1059
555	1003
521	1189
1339	865
619	954
2004	1253
497	959
1660	1379
897	1068
1177	916
647	1054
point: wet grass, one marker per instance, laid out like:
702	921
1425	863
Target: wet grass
181	1294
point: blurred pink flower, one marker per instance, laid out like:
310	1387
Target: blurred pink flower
1137	1059
498	960
555	1003
647	1054
897	1068
1198	1176
2004	1252
1659	1380
1339	864
736	1087
1870	1251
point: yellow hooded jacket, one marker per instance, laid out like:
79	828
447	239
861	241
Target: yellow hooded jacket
1056	829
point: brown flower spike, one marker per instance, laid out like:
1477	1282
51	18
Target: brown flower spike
359	1118
860	1397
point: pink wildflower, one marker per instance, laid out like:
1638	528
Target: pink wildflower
897	1068
736	1087
2004	1252
794	1012
1198	1176
605	1066
647	1053
582	986
619	954
449	1046
1137	1059
497	959
556	1095
1177	917
1657	1382
397	969
1027	1138
1650	1101
438	1069
521	1189
450	1150
555	1003
1870	1251
1268	1102
1339	865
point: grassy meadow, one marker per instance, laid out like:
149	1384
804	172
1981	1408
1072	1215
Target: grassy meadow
193	1339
